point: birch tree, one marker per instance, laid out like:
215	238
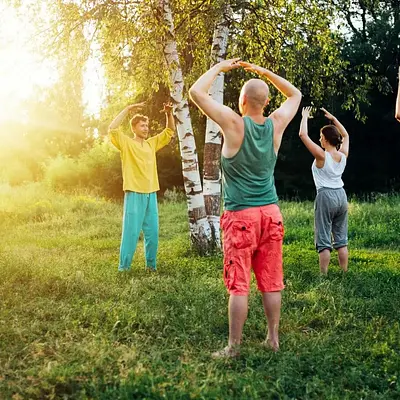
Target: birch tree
212	147
200	231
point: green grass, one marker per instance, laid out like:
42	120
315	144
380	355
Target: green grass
72	328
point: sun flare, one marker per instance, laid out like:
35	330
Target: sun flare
22	70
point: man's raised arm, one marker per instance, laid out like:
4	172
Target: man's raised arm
169	116
225	117
117	121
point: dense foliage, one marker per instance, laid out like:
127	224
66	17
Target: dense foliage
342	55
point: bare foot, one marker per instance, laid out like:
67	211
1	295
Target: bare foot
227	352
271	344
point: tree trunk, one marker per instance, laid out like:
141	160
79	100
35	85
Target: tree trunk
200	232
212	147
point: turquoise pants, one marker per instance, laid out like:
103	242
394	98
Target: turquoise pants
140	212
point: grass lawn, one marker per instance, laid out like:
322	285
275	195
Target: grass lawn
71	327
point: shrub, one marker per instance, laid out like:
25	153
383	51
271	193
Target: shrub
97	170
16	174
174	195
103	165
64	174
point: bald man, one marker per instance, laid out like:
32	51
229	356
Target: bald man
252	223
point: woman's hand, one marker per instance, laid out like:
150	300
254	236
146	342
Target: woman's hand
328	114
306	113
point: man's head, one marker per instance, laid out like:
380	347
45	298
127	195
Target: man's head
253	96
140	126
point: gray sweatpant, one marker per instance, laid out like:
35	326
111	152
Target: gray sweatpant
330	219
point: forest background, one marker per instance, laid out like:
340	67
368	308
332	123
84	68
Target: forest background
343	55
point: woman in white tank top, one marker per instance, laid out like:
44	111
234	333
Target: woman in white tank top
331	200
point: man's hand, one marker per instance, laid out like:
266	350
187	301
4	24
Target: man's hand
167	108
169	115
228	65
137	106
306	113
328	115
252	68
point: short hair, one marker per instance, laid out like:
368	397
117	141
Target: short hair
256	91
332	135
138	117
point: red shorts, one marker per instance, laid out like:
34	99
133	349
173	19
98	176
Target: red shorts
253	238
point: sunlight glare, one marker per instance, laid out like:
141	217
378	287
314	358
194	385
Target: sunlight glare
22	70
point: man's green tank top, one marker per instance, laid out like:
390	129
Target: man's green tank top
248	176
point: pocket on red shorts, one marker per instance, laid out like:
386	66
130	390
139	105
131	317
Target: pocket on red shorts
241	234
229	274
276	228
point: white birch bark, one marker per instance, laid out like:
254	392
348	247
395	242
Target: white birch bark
200	232
212	147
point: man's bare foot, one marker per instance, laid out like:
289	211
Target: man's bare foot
271	344
227	352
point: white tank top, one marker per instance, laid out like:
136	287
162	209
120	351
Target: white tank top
330	175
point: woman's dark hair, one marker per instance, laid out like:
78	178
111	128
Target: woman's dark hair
332	135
